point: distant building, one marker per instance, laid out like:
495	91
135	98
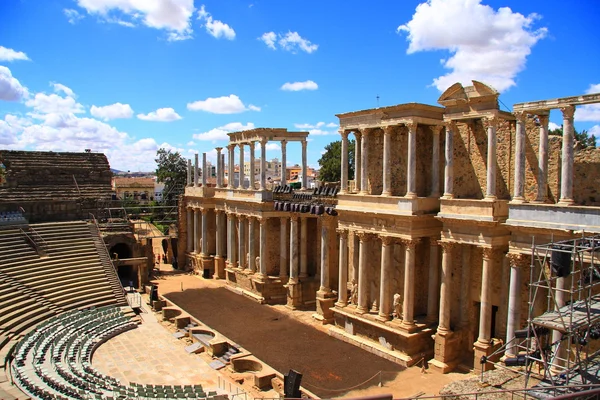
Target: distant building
140	189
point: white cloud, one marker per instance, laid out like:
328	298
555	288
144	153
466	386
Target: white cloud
486	45
595	131
53	103
10	127
173	16
296	86
112	111
589	112
332	125
272	146
552	126
10	88
221	105
7	54
215	27
290	41
62	88
162	115
72	15
221	132
316	129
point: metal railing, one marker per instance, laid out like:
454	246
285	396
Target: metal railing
36	246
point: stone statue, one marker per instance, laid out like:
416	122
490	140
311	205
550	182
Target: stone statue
257	263
354	293
398	305
248	260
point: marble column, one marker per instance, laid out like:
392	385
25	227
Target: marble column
219	167
252	162
219	234
196	226
411	168
449	161
435	161
492	123
542	189
263	164
251	243
519	189
325	228
304	165
303	251
231	167
445	287
357	160
204	246
242	241
465	285
387	160
293	248
283	247
232	249
364	162
485	310
363	273
408	308
355	257
241	173
385	295
204	170
283	163
189	172
433	285
517	263
196	170
190	227
343	269
222	170
263	248
568	139
344	163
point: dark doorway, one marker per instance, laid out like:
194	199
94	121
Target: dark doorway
128	275
494	314
122	250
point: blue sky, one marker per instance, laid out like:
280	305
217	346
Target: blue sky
126	77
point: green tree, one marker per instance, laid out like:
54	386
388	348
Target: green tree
171	168
330	162
582	137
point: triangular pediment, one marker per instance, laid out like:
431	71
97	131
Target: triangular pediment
453	93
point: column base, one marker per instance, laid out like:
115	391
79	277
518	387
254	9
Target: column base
361	310
384	317
284	279
518	200
446	355
408	327
490	197
258	277
448	196
410	196
386	193
566	202
324	312
219	268
294	295
481	350
341	304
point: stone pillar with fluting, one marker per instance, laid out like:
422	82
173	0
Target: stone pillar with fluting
219	167
204	170
387	160
283	249
517	263
542	189
232	250
343	269
252	176
449	161
435	161
364	162
344	163
433	284
445	286
294	271
283	162
303	250
189	172
357	160
485	311
204	246
363	274
411	167
408	308
220	248
196	170
190	229
492	123
568	140
242	241
196	227
325	228
231	167
222	170
304	165
262	273
241	173
385	293
251	244
519	189
263	164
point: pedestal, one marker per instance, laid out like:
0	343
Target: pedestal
445	359
207	263
325	303
294	295
483	349
219	268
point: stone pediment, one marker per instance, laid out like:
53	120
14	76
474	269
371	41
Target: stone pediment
469	101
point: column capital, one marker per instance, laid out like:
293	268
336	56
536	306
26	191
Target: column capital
412	125
365	131
491	121
491	253
303	143
519	260
410	244
294	216
388	240
219	212
230	147
365	236
450	125
251	144
344	133
342	231
568	111
388	129
357	134
242	217
447	246
262	220
327	219
436	129
218	149
521	116
543	120
283	142
241	146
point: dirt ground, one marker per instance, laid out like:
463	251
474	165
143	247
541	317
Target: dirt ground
287	339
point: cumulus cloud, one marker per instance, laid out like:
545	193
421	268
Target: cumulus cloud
221	132
552	126
290	41
486	45
272	146
62	88
589	112
162	115
317	129
7	54
221	105
296	86
10	88
214	27
53	103
173	16
112	111
72	15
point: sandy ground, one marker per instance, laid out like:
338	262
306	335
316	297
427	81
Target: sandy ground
287	339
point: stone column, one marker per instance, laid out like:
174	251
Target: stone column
303	252
304	165
241	173
568	139
222	170
325	227
542	190
387	160
411	169
219	167
231	166
435	162
283	246
432	289
190	229
449	161
363	276
355	257
196	170
519	189
242	241
465	285
343	268
293	247
196	227
517	262
357	160
252	162
232	250
385	295
204	247
204	171
263	249
485	310
492	123
263	164
189	172
344	163
445	287
251	243
220	241
408	308
364	162
283	162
